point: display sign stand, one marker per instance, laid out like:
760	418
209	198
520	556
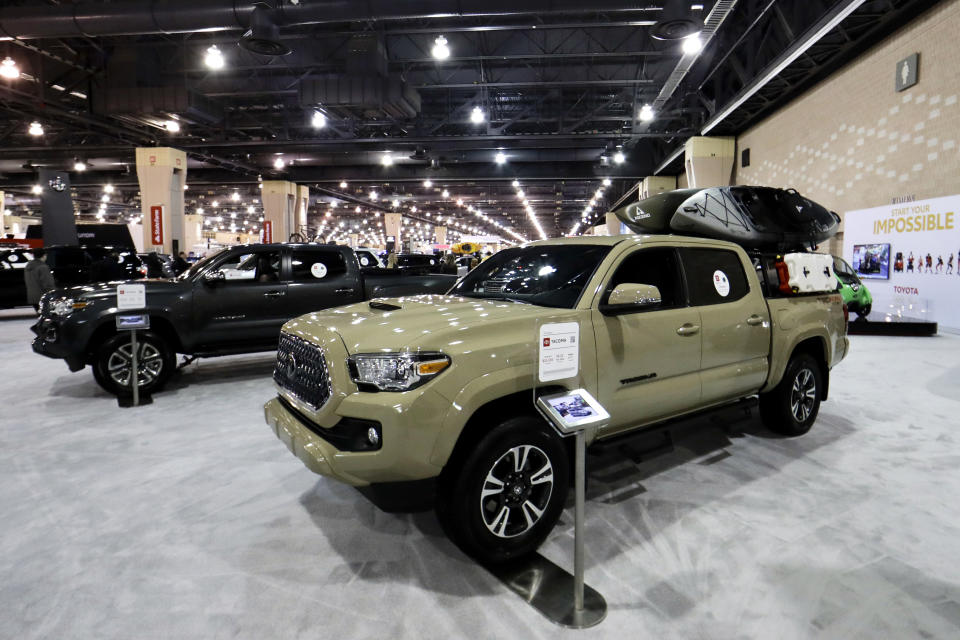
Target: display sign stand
132	297
561	597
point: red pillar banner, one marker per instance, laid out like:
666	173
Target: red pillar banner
156	224
267	232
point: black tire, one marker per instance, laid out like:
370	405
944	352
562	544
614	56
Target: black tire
863	312
157	362
791	407
490	528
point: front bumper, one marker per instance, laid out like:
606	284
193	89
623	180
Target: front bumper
409	429
54	340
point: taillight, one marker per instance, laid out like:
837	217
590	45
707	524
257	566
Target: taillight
846	318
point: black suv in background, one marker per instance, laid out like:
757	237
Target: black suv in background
71	266
232	302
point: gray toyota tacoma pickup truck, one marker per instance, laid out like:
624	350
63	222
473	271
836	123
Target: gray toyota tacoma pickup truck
232	302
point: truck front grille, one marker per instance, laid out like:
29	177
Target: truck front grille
302	370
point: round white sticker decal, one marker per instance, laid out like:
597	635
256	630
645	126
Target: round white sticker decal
721	283
318	270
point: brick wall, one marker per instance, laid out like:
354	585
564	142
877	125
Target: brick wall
853	142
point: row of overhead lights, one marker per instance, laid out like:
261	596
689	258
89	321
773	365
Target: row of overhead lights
588	208
529	209
455	229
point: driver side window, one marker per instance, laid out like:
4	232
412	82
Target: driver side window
252	267
658	267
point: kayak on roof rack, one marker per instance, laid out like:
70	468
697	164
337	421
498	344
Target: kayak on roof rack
754	217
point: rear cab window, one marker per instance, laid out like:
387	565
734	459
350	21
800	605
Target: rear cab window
714	276
316	265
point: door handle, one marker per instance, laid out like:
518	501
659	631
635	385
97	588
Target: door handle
688	329
754	320
274	294
343	290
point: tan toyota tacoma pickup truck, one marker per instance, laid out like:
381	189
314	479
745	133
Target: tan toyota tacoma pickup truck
395	396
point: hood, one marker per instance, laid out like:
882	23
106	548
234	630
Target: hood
431	322
101	290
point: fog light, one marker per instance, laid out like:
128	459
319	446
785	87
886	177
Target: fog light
373	437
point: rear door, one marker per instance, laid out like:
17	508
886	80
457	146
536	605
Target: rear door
321	277
735	322
648	361
248	306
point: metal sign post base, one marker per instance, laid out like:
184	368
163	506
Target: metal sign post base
561	597
548	589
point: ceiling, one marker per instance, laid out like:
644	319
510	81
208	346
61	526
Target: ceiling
560	85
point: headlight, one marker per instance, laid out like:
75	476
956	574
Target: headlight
65	306
396	371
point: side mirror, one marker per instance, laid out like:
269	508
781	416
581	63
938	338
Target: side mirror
629	297
215	275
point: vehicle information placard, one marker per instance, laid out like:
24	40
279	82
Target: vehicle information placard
131	296
559	351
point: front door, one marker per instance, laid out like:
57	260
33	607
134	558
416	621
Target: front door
247	306
648	361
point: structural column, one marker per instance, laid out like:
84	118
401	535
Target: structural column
162	172
652	185
279	210
192	233
441	234
709	161
303	204
391	228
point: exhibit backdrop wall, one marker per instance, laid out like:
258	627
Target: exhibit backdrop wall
853	141
908	255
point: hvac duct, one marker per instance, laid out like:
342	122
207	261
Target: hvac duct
189	16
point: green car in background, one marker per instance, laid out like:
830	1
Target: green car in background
854	292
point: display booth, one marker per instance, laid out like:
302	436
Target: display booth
908	256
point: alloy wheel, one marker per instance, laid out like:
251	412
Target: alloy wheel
516	491
803	395
149	364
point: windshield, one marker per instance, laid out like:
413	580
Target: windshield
199	266
546	275
844	272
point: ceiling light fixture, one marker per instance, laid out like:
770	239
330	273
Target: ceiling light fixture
428	183
618	157
500	158
692	45
36	189
79	165
606	182
386	160
279	164
343	184
108	188
213	58
440	49
319	121
445	194
374	195
36	129
172	126
235	196
9	69
477	116
646	113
